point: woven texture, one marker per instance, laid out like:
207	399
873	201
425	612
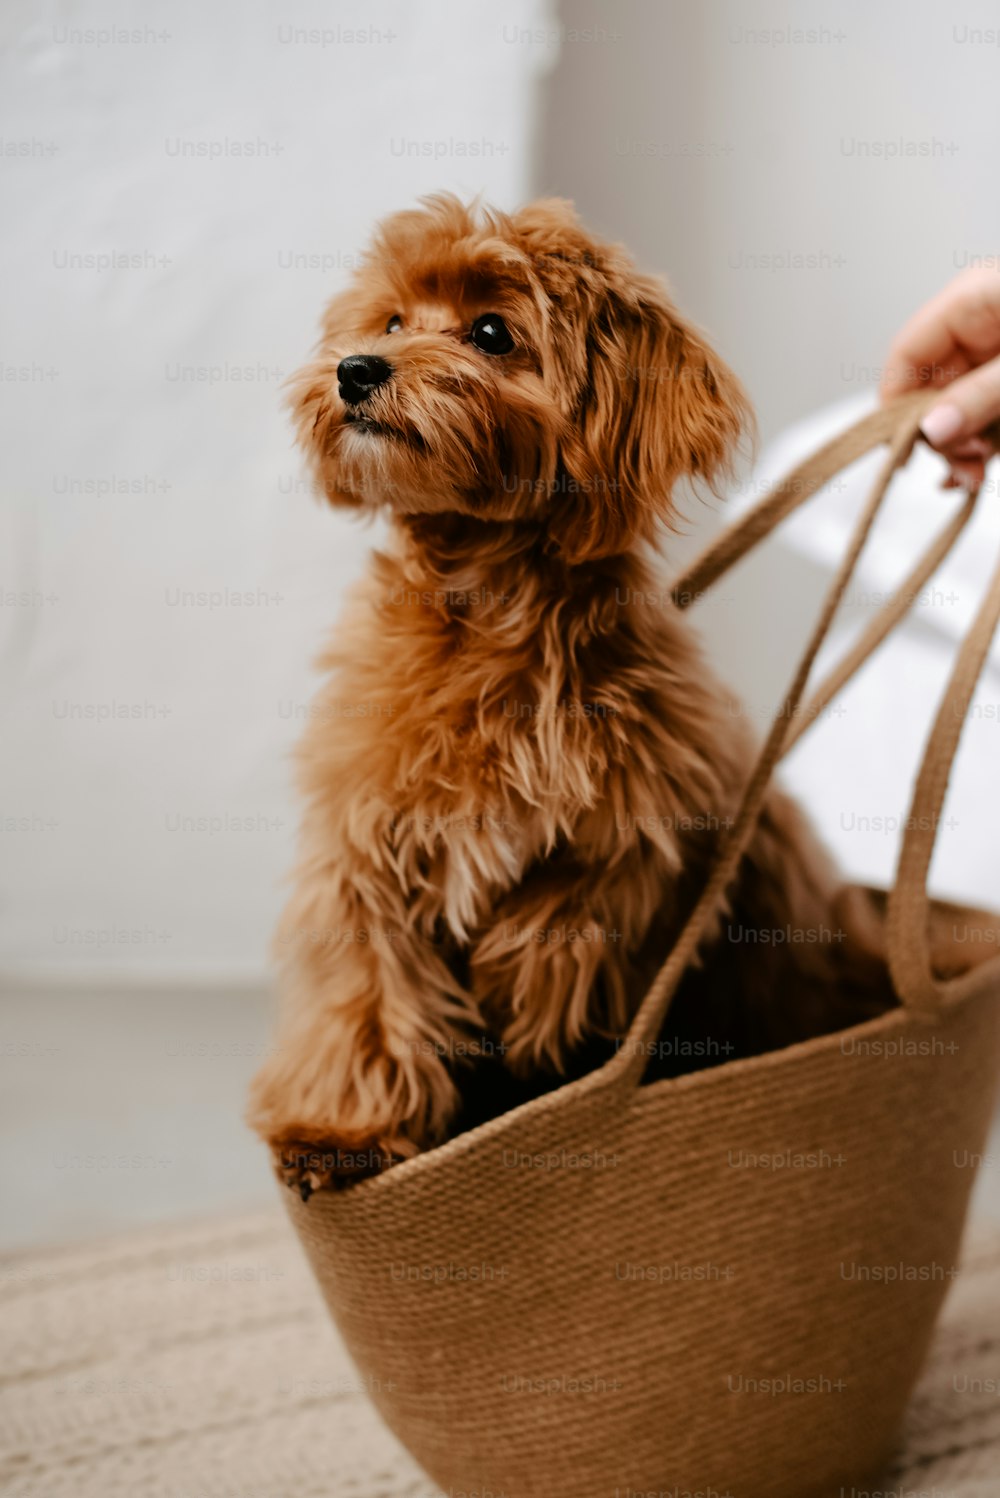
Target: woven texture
125	1375
590	1298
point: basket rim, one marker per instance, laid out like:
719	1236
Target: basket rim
900	1018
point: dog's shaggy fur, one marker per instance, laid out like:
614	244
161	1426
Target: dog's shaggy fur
521	766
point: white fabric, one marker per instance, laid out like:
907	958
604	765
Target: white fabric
856	771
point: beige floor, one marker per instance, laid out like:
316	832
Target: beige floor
124	1108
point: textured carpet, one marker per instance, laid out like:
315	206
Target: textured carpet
198	1362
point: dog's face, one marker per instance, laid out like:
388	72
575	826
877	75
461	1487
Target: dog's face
513	369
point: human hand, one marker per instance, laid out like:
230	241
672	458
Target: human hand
954	342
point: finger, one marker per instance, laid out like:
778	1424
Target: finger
922	357
968	476
972	403
955	331
964	476
971	447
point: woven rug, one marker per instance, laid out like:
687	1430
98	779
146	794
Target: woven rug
198	1362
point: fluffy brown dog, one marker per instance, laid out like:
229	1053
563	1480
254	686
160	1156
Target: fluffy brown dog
521	766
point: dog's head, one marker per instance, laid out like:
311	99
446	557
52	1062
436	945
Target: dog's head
513	368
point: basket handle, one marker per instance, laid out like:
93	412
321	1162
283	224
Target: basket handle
907	915
897	424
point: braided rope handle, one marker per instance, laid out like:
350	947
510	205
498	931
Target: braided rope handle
909	958
908	912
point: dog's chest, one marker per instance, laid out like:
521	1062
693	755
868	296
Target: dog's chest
471	742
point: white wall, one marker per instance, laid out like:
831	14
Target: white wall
673	130
146	452
710	136
806	174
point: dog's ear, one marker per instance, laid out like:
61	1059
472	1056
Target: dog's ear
657	404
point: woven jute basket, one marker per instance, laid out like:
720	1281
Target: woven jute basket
723	1283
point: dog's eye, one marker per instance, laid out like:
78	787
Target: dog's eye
491	334
395	324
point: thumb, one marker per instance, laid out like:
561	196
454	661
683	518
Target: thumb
970	404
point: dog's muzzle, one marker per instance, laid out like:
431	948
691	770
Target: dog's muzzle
359	375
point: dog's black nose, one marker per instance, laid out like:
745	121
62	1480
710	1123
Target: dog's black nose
359	375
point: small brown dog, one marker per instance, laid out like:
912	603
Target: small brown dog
521	767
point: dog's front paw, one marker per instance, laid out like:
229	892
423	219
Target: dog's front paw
308	1160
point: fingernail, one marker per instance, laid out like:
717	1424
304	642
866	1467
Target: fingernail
942	423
